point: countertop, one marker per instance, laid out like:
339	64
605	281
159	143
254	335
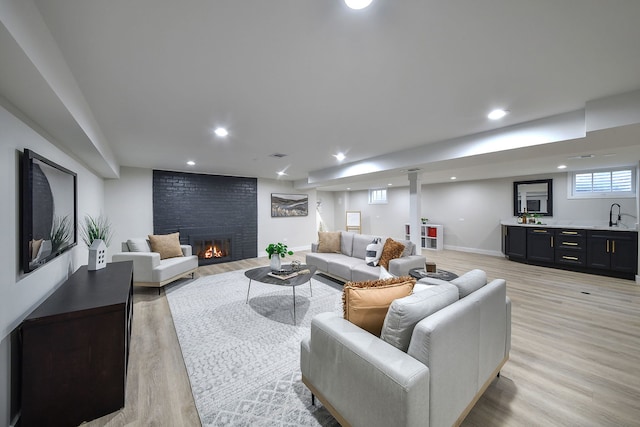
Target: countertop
568	224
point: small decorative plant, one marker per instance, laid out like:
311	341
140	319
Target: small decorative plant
95	228
424	220
278	248
537	218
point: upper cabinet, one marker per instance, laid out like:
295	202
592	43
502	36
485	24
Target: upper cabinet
534	197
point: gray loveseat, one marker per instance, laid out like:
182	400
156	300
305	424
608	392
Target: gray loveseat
439	350
350	263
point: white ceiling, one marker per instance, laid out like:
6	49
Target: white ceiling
309	78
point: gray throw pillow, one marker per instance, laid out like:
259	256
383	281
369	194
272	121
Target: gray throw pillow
409	248
405	313
139	245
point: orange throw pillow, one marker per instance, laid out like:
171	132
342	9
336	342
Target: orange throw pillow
391	250
167	245
365	304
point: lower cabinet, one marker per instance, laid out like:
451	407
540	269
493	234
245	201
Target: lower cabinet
609	253
516	242
613	250
540	244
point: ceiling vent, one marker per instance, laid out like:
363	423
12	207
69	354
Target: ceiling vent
278	155
584	156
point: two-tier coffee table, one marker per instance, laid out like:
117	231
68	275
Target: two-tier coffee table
261	274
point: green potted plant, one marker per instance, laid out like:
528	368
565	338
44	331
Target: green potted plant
279	249
424	220
95	228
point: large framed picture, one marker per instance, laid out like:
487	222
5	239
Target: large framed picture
283	205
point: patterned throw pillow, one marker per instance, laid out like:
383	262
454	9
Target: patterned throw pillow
365	304
391	250
374	251
167	245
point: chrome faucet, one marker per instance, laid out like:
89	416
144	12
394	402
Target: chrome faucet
611	223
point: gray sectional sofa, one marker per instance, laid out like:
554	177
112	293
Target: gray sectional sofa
439	350
350	264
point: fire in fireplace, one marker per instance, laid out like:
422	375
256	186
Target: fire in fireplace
211	250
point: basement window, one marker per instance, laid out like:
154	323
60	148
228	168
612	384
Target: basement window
602	184
378	196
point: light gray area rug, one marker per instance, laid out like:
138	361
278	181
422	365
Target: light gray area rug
243	359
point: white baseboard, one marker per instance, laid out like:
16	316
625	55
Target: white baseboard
263	254
474	250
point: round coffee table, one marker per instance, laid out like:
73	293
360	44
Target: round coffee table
261	274
419	273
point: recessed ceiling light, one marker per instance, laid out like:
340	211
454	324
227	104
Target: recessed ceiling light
562	166
281	173
357	4
453	177
497	114
389	184
339	156
221	132
191	163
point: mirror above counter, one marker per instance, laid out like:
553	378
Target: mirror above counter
536	196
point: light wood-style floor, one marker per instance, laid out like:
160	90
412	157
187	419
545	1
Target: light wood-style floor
575	356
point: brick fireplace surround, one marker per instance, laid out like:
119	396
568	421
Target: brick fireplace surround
207	206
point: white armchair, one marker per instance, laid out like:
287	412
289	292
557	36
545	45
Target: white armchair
151	271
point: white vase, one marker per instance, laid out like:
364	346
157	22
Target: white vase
275	262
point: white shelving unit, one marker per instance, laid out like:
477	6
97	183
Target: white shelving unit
431	236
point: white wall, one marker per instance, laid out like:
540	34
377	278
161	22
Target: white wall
296	232
588	211
20	294
384	220
470	212
129	206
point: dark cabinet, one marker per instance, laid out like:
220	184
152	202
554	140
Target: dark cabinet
571	247
540	243
75	348
613	250
609	253
516	242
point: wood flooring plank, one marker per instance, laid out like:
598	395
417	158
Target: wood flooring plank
575	357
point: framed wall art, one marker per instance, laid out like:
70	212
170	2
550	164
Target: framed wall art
284	205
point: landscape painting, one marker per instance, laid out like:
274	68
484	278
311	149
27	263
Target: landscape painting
289	205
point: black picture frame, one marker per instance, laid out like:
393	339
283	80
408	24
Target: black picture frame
48	210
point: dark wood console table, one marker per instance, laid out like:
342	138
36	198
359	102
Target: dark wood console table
75	348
